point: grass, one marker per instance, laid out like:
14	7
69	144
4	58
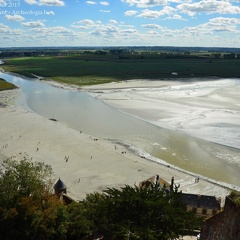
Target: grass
88	70
6	85
235	196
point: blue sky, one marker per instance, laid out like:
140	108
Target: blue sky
204	23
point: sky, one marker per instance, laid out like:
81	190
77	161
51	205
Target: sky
194	23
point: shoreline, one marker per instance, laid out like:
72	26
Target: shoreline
110	168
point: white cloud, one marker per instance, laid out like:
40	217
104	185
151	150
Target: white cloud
152	26
113	21
84	24
167	11
153	33
217	28
209	6
88	23
146	13
222	20
33	24
104	3
106	11
91	2
46	2
222	24
31	2
53	30
4	28
79	26
106	31
176	17
10	35
130	13
128	32
15	18
146	3
51	2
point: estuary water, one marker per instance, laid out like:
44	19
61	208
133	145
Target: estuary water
81	111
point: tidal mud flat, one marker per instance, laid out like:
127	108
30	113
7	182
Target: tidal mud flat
92	165
207	109
98	164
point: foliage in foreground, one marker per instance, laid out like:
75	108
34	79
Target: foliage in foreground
235	196
23	179
140	213
29	210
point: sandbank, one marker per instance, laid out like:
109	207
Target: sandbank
204	108
93	163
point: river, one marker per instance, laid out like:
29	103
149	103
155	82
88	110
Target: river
81	111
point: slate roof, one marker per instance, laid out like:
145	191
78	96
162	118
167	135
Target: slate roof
191	200
201	201
59	186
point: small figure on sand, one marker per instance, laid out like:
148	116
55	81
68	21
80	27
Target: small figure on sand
197	180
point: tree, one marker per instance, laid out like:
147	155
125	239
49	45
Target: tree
26	199
29	210
35	219
23	178
140	213
79	225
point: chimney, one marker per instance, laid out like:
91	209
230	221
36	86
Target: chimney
172	184
157	179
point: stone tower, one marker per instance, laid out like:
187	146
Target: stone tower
60	188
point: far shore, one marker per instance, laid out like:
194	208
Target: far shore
92	165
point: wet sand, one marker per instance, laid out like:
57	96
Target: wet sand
84	163
206	109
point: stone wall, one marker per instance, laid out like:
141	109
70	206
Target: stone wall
223	226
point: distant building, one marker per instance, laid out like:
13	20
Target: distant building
202	205
60	187
155	179
60	190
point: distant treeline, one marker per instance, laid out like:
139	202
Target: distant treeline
135	48
124	52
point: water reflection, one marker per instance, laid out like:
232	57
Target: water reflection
85	113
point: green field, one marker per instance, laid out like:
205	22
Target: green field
87	70
6	85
